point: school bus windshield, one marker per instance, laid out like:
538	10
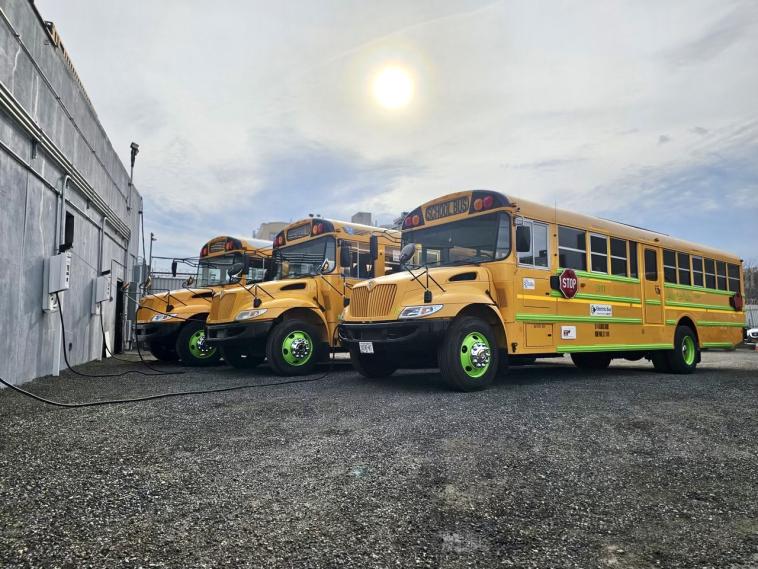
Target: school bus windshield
306	259
213	271
473	239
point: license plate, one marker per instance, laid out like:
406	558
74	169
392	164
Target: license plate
366	347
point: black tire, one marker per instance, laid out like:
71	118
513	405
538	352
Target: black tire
191	347
371	366
686	353
240	358
281	355
454	361
591	361
660	362
163	353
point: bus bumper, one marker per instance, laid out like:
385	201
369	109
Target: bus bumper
157	332
237	332
397	336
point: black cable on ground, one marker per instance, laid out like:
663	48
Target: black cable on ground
153	397
141	359
65	354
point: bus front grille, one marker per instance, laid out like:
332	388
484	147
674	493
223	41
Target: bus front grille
377	302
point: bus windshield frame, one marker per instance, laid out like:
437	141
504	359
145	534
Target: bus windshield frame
466	240
310	255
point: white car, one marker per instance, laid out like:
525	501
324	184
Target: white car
752	334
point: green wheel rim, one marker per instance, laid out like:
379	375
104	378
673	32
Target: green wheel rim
688	350
198	348
475	355
297	348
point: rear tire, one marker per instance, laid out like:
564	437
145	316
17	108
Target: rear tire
685	355
591	361
372	367
191	346
468	357
240	358
163	353
293	348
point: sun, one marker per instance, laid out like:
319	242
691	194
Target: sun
393	88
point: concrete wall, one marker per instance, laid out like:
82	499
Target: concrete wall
49	130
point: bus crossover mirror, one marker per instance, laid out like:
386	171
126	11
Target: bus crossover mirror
345	257
373	247
523	239
173	267
190	281
407	252
236	271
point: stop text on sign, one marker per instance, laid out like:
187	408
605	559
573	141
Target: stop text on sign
568	283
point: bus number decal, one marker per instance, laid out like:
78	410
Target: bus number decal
446	209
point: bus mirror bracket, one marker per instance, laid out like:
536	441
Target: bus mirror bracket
523	239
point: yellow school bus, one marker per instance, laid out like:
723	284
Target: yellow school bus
489	278
171	324
291	320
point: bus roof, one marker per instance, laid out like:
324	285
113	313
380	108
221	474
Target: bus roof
315	226
217	245
590	223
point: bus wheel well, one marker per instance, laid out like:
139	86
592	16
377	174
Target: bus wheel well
687	321
486	313
308	316
202	316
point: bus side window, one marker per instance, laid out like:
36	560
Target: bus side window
651	265
618	257
710	273
721	274
683	260
669	266
734	277
537	256
572	248
598	253
633	259
697	271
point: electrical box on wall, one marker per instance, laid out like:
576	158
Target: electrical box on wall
56	277
102	291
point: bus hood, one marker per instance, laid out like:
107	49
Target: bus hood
181	301
286	294
383	298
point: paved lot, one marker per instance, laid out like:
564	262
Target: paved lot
549	468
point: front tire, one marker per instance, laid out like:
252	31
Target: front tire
240	358
293	348
163	353
591	361
371	366
468	357
191	346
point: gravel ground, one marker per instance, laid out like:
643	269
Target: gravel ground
551	467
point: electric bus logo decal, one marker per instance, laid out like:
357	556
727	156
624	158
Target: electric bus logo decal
446	209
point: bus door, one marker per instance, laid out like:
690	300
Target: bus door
652	287
532	286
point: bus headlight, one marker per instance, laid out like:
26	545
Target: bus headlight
162	317
419	311
248	314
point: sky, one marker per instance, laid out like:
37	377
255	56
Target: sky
641	111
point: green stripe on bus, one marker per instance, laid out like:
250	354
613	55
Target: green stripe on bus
568	348
671	322
603	277
700	289
698	305
592	296
653	302
556	318
721	324
727	345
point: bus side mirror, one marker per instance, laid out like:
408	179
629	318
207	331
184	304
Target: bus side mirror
407	252
523	239
373	248
173	267
345	257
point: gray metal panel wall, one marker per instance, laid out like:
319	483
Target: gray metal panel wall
40	98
